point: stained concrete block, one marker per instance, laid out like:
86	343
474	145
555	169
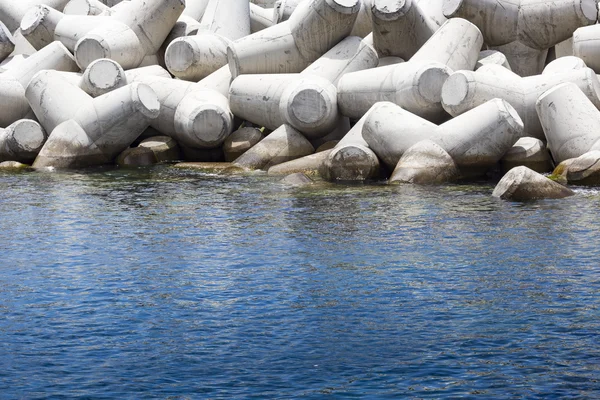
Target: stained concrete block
21	141
523	184
425	163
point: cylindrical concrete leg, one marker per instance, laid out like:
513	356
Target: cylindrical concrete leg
21	141
413	86
195	57
115	41
85	7
260	18
456	44
350	55
283	144
203	119
571	122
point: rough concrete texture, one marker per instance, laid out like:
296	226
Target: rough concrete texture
585	169
240	141
464	90
425	163
283	144
523	184
529	152
570	120
475	140
21	141
165	148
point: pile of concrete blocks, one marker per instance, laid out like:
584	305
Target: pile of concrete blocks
413	91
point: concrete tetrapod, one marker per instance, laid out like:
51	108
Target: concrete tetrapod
400	28
41	25
425	163
539	24
522	184
7	42
100	129
291	46
586	45
13	103
283	144
139	29
351	159
21	141
571	122
465	90
476	140
12	12
260	18
240	141
194	57
585	169
100	77
523	60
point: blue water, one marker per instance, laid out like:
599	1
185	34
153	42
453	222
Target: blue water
167	283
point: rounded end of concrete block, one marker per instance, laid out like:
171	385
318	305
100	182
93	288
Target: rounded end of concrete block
451	7
390	10
353	162
179	55
33	18
456	91
145	100
311	107
345	6
511	116
89	49
587	11
209	124
27	138
78	7
103	76
429	81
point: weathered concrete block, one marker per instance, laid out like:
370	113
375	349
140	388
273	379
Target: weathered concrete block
283	144
492	57
7	42
291	46
586	45
522	184
401	28
309	165
240	141
165	148
538	24
529	152
85	7
260	18
564	64
351	160
476	140
101	129
523	60
13	103
466	89
12	12
136	157
21	141
570	120
585	169
425	163
297	179
195	57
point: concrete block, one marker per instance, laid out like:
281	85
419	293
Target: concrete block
492	57
283	144
165	148
538	24
529	152
570	120
7	42
101	129
523	184
476	140
585	169
12	12
136	157
260	18
21	141
425	163
240	141
85	7
309	165
523	60
465	90
291	46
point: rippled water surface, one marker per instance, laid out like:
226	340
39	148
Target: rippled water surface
167	283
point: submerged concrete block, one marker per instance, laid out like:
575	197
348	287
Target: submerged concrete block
100	129
476	140
529	152
136	157
164	148
309	165
522	184
570	120
195	57
465	90
21	141
425	163
291	46
539	24
240	141
283	144
351	160
400	28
